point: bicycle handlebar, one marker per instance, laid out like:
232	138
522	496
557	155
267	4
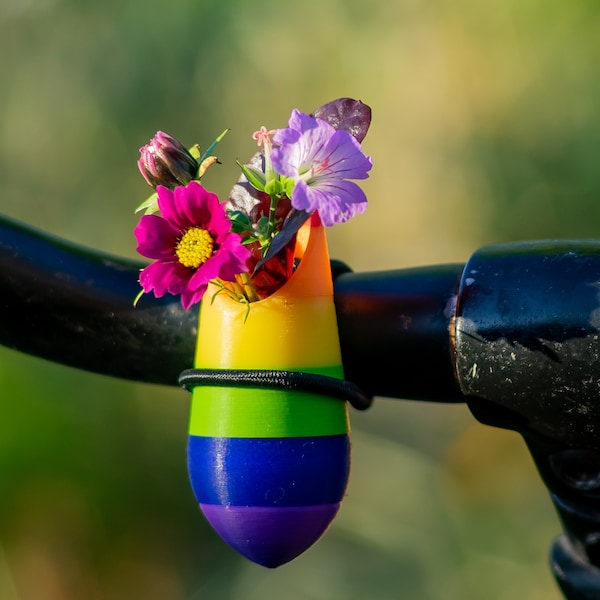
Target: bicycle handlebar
514	333
74	306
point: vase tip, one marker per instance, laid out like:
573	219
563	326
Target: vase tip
270	536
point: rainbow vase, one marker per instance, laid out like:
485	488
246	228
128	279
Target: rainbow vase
269	467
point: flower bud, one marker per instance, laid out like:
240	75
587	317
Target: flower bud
165	161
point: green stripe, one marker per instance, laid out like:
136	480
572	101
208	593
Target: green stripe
255	412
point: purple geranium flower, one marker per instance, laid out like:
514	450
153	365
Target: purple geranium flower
320	160
191	243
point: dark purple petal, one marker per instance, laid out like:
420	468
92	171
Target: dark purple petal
348	115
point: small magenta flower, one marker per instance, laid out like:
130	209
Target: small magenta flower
320	160
191	244
166	161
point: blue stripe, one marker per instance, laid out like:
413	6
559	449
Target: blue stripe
298	471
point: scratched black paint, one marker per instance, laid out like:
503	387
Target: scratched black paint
528	337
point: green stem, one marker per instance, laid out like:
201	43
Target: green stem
248	290
272	209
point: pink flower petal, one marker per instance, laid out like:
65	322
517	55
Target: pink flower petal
156	237
160	278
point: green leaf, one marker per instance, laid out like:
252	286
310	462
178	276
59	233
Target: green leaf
209	150
255	177
149	206
195	152
273	187
240	222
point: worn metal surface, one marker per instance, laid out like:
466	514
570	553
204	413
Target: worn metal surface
528	337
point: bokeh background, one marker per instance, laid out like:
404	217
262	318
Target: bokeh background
485	129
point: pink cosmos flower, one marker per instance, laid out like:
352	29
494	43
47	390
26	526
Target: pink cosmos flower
320	160
191	244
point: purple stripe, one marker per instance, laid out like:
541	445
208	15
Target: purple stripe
270	536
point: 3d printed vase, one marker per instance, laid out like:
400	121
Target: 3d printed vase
269	467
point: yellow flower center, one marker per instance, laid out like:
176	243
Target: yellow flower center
195	247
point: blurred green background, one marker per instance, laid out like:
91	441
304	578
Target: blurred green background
485	129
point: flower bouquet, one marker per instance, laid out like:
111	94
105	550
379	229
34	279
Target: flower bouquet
269	448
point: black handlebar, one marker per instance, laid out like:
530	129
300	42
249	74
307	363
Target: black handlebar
74	306
514	333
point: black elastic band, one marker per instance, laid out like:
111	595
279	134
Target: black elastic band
283	380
